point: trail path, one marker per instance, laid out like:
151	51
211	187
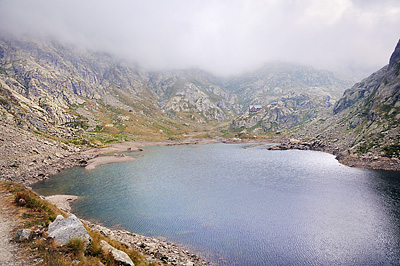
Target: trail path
9	251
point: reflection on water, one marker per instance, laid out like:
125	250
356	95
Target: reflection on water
246	206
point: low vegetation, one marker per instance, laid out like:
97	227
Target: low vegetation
35	214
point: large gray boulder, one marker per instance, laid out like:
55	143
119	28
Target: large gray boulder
64	229
118	255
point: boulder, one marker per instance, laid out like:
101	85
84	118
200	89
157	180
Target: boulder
64	229
118	255
23	235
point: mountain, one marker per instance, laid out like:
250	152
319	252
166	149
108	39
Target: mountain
192	93
366	120
290	95
60	90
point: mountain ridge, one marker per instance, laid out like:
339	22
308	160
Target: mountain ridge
364	126
87	98
94	91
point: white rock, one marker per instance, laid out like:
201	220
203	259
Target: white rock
118	255
64	229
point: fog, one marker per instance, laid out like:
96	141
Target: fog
225	37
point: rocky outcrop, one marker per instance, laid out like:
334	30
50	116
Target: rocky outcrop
279	116
360	90
395	60
64	229
290	95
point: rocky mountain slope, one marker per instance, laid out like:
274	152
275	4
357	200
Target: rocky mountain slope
366	120
289	94
45	85
60	90
192	93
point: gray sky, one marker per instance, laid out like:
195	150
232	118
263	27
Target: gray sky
221	36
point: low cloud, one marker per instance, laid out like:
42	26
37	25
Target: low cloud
220	36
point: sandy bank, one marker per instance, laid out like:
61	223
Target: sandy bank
62	201
93	163
118	148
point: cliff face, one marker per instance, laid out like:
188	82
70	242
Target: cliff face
367	118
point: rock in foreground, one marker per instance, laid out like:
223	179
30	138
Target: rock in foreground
65	229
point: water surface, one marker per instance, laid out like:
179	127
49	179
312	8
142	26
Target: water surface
246	206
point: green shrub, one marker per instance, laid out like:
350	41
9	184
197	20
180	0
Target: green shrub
392	150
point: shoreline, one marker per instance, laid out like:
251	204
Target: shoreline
132	146
157	249
93	163
149	245
62	201
364	161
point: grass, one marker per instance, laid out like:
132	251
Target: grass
35	214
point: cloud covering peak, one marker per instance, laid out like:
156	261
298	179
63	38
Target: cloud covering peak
221	36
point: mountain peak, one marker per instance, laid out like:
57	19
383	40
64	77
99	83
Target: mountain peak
395	58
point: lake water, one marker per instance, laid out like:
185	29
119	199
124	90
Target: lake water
245	206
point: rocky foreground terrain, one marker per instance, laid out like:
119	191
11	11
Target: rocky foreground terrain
27	158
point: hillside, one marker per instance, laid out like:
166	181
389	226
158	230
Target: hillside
366	120
192	94
289	94
63	91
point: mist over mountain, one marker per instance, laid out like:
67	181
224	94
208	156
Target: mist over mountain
226	38
47	84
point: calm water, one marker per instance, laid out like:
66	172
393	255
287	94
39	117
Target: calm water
246	206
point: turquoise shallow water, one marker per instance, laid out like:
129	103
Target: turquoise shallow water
246	206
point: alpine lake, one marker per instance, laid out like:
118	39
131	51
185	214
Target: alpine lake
240	205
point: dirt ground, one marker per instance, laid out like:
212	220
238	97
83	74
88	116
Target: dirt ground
10	252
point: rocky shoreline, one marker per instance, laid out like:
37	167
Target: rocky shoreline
367	161
28	158
156	249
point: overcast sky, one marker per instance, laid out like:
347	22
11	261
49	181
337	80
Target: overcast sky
221	36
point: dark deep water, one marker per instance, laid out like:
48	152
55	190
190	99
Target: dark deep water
246	206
